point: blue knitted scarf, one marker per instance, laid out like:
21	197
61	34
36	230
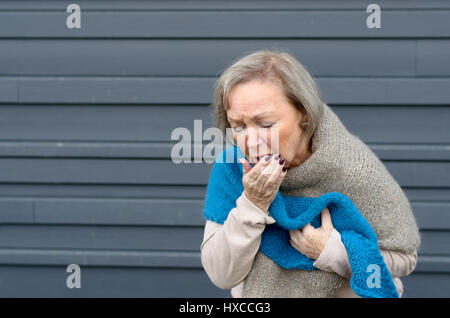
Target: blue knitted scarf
292	213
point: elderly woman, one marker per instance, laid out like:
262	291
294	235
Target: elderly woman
313	155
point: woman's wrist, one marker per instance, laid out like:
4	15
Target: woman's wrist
252	211
260	205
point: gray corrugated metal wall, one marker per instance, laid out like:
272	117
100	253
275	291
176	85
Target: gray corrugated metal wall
86	117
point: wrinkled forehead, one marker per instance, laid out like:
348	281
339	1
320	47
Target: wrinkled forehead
254	100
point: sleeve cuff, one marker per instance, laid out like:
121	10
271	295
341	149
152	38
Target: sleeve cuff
334	257
249	207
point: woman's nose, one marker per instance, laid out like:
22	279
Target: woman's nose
253	138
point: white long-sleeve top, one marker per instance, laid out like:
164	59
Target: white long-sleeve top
228	251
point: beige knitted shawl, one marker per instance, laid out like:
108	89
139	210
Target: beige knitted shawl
340	162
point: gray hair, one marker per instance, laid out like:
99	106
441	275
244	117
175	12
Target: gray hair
277	67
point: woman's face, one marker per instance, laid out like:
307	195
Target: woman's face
257	110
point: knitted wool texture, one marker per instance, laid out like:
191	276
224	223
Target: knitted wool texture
293	213
367	207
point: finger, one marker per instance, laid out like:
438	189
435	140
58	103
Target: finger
266	173
275	177
296	234
258	169
308	227
245	165
268	170
293	244
326	219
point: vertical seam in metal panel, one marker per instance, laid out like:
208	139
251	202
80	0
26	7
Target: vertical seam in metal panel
18	90
34	211
415	57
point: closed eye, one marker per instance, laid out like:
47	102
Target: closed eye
237	128
263	125
268	125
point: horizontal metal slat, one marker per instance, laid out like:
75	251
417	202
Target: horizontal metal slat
206	57
142	90
210	24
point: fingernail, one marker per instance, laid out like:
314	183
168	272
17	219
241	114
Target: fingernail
267	158
282	161
284	168
277	156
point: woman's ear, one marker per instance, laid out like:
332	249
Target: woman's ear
304	123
